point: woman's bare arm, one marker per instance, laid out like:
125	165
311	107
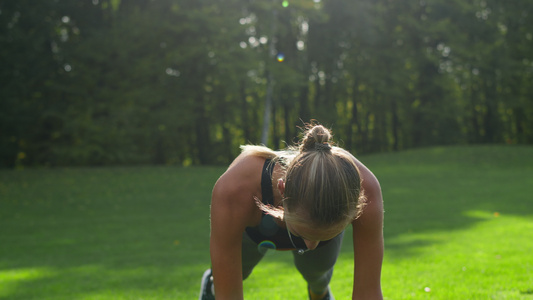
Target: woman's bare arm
368	241
232	209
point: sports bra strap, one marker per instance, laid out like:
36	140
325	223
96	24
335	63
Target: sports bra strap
267	194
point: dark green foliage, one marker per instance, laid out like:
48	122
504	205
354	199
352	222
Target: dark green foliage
184	82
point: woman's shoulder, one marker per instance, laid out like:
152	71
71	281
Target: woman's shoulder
246	161
234	191
243	171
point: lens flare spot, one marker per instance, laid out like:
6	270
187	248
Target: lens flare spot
285	3
264	246
280	57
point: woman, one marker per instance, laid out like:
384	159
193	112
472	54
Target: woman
299	200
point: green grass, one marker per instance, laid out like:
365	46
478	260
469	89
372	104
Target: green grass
458	221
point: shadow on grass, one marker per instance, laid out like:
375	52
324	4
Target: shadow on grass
130	233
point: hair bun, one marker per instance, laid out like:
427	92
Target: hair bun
316	138
322	147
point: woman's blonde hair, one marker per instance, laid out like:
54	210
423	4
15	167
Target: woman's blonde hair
322	182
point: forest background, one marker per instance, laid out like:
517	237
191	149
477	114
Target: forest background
181	82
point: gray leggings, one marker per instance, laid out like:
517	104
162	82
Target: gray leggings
316	266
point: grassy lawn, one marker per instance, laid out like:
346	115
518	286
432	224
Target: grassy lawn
458	225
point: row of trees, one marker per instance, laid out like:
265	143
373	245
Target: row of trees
186	81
